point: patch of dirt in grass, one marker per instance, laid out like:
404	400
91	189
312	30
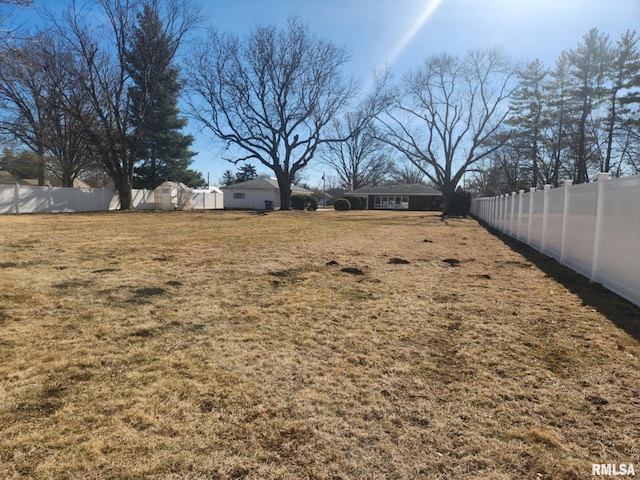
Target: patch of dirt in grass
235	347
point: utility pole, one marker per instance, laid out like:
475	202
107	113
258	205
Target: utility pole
324	190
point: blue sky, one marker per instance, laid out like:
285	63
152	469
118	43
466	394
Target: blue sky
401	33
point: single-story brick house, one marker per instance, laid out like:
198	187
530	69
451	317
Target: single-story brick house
415	196
257	194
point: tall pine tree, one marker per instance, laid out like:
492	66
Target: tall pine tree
157	142
526	115
623	81
556	93
588	64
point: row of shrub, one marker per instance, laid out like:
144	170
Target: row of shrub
350	202
304	202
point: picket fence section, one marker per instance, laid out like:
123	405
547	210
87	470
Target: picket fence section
15	198
593	228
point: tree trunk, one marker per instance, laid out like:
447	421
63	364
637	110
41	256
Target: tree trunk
126	193
610	128
67	180
447	193
284	183
41	166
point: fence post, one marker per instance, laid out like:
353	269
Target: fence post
545	218
496	212
530	218
16	197
50	199
505	211
565	215
503	224
602	179
513	210
492	212
519	224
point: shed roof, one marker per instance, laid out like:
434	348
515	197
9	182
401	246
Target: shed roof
177	185
263	183
414	189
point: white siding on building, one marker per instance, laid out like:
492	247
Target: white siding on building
251	199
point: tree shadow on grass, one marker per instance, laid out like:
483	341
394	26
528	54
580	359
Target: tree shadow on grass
622	313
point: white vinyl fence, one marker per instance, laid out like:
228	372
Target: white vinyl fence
29	199
15	198
593	228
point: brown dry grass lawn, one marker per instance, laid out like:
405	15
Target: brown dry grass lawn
223	345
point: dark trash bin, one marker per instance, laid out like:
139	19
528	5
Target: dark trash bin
268	204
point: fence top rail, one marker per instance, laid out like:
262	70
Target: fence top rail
621	182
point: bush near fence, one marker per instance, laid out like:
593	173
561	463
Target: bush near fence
592	228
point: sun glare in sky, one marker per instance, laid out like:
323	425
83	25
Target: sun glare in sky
429	8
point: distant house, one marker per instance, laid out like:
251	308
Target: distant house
6	178
415	196
53	182
329	196
258	194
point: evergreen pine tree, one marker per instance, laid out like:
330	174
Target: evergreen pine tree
555	93
624	81
157	142
245	173
588	64
526	116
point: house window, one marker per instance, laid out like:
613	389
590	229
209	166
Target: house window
238	196
391	202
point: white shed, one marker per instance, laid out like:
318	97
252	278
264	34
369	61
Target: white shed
210	198
173	196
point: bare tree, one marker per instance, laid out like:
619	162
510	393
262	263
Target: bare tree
363	158
71	153
30	93
407	172
448	114
270	96
24	88
4	16
103	75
